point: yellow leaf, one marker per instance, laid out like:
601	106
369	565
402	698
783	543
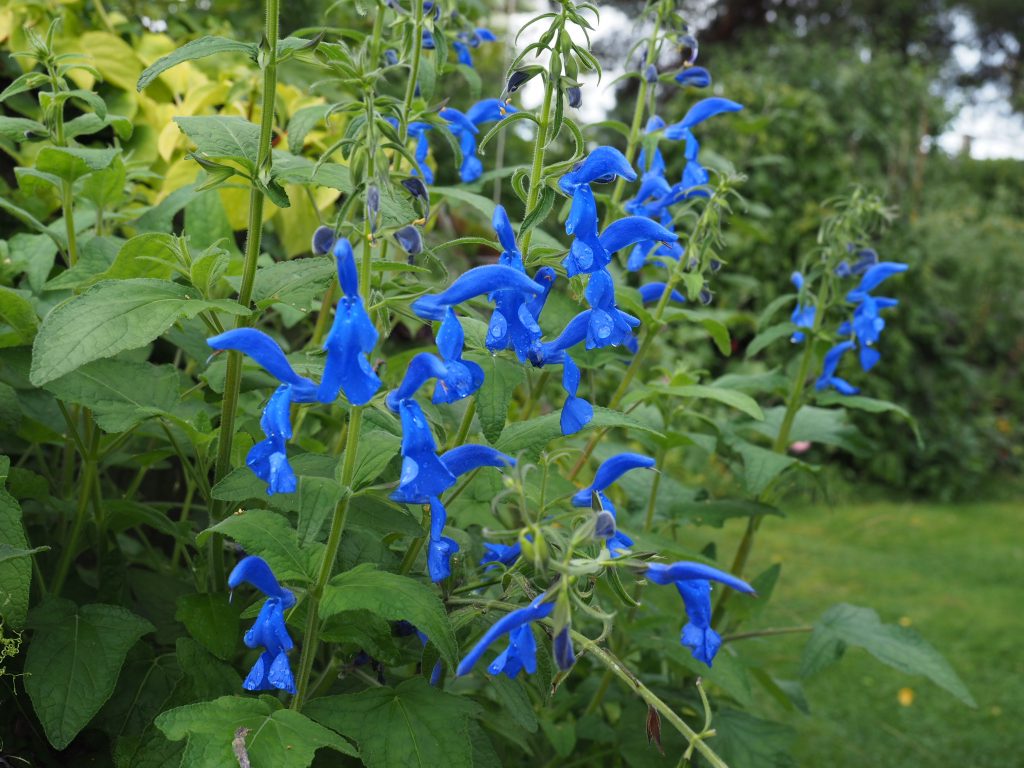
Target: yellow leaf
113	57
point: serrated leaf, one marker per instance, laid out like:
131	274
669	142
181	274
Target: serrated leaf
111	317
224	137
19	317
870	405
295	283
745	741
271	737
828	426
269	535
196	49
731	397
770	336
120	393
413	725
533	436
74	660
395	598
761	466
151	254
501	377
377	449
899	647
71	163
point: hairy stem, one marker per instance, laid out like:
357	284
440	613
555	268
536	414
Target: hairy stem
233	376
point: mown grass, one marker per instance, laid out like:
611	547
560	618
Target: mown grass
955	574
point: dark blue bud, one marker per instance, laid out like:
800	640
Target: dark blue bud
410	239
651	73
323	240
574	96
391	56
517	80
706	296
415	186
565	656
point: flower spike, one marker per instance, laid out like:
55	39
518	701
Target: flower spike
271	670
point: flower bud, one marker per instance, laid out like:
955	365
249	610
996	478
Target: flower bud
651	73
323	240
574	96
411	240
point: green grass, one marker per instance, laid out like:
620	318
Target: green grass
955	574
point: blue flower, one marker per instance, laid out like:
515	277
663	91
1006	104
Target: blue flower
494	553
694	174
867	323
467	40
456	378
271	669
652	292
866	258
608	325
465	128
828	376
268	459
440	548
514	322
601	166
697	77
576	412
803	314
564	654
351	338
425	475
521	652
591	252
610	471
475	282
693	580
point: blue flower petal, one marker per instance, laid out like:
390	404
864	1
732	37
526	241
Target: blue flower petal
266	352
476	282
601	165
698	77
537	609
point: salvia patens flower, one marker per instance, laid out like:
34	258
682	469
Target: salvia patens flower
475	282
456	377
866	258
653	199
652	292
425	475
268	459
610	471
696	77
576	412
521	652
466	40
495	553
440	547
694	174
269	632
418	130
562	649
465	128
693	580
803	314
351	338
828	376
608	325
867	323
514	322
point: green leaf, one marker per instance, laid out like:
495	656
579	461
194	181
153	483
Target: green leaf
212	619
413	725
224	137
14	128
120	393
7	552
197	49
870	405
828	426
501	377
761	466
270	536
18	321
377	449
302	122
533	436
73	662
716	329
745	741
295	283
395	598
15	572
730	397
900	647
111	317
220	732
152	254
71	163
770	336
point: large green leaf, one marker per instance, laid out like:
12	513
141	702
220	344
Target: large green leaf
392	597
111	317
224	137
227	730
870	405
70	163
745	741
15	571
761	466
120	393
731	397
18	321
196	49
212	619
295	282
270	536
73	662
501	377
899	647
828	426
413	725
377	449
151	254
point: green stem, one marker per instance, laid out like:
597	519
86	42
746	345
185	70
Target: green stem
310	644
233	376
85	495
414	72
638	112
533	193
770	632
464	425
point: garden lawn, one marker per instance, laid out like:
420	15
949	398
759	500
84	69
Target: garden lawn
953	573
